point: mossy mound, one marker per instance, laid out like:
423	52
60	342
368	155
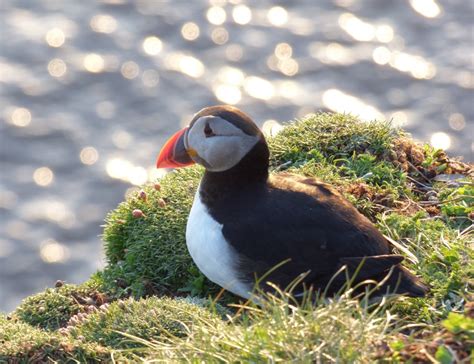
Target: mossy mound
147	253
23	343
52	308
330	136
147	319
418	196
95	333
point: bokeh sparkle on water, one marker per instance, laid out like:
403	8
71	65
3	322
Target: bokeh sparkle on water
90	91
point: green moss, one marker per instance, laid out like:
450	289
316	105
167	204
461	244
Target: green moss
148	254
341	150
52	308
148	319
378	173
23	343
444	257
334	136
123	234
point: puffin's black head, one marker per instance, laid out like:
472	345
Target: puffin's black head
219	138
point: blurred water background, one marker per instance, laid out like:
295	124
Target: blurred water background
90	90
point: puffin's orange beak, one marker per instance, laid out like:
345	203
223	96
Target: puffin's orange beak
174	154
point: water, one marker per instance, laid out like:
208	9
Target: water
91	90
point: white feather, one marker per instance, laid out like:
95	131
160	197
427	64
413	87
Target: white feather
213	255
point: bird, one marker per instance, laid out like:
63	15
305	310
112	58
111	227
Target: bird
247	225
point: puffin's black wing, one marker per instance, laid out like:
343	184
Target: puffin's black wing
307	222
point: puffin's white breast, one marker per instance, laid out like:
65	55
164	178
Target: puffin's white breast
213	255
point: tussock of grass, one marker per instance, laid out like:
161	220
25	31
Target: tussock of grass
52	308
417	195
340	330
148	255
148	318
445	261
23	343
333	136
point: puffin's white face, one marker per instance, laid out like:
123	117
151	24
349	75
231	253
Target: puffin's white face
217	144
218	137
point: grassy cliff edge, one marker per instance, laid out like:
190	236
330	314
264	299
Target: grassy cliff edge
151	302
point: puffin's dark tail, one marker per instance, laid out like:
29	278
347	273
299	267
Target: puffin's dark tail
402	281
393	278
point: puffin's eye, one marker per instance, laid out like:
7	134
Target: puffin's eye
208	131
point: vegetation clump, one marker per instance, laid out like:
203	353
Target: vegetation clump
23	343
148	319
453	343
340	330
420	198
52	308
148	254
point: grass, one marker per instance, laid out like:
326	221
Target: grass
444	260
340	330
52	308
23	343
417	196
330	136
148	254
149	318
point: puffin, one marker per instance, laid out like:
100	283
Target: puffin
247	225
